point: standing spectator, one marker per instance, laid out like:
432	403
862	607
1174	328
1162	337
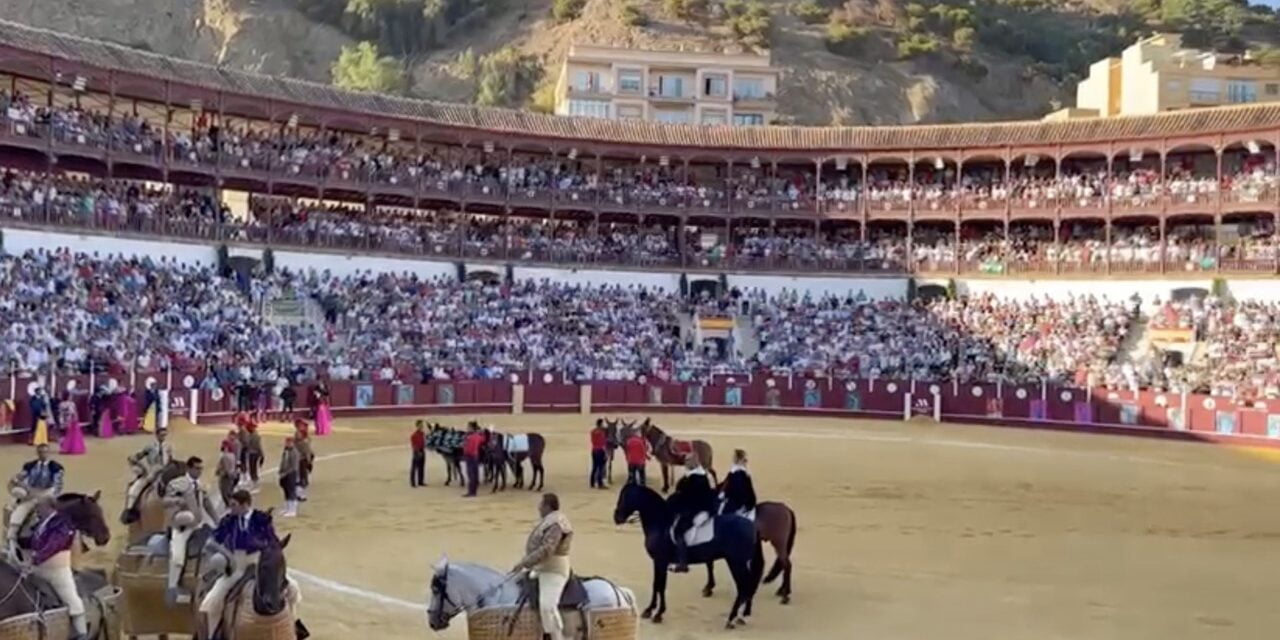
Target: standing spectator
290	468
228	471
288	396
418	461
599	440
39	403
471	454
306	457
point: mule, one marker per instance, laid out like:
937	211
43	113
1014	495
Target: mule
448	443
735	541
616	433
670	452
465	587
775	524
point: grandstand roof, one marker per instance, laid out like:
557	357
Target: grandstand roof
125	61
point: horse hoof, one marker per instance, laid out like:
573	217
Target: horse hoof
786	599
729	625
706	593
742	622
657	619
646	614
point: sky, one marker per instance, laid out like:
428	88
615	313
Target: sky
1274	4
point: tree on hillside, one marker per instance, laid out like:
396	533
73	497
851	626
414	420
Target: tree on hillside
506	78
1205	23
360	68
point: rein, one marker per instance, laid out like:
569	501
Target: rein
479	601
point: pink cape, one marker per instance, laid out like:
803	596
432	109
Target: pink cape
72	443
131	422
324	420
104	424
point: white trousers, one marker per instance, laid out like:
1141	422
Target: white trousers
178	542
141	477
57	572
215	601
550	588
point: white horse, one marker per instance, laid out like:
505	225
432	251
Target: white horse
459	587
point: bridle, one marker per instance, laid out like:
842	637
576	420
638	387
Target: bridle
440	585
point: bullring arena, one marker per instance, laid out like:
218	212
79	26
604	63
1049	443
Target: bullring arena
1016	380
914	530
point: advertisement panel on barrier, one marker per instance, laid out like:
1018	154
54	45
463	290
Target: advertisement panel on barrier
655	394
1225	422
1129	414
733	396
852	400
812	396
444	393
693	395
773	398
364	396
405	394
1273	426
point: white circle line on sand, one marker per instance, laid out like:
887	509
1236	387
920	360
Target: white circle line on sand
346	589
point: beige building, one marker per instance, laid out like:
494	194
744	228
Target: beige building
1157	74
667	86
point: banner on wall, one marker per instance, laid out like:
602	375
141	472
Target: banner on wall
1273	426
364	396
1175	418
655	395
444	394
773	398
404	394
1129	414
1038	409
852	401
1225	422
733	396
693	396
1083	413
995	407
812	398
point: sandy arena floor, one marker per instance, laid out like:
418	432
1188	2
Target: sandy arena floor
906	531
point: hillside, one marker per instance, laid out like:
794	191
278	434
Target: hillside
843	61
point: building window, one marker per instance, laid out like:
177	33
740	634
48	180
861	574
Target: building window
1273	89
748	88
629	81
630	112
713	117
589	108
1240	92
673	117
1204	91
715	86
586	81
748	119
671	86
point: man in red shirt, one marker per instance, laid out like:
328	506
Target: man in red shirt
418	463
599	440
637	458
471	454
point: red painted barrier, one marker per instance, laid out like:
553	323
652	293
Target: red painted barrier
1194	417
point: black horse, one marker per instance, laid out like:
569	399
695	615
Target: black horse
735	542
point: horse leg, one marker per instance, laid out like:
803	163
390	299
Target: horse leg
742	581
661	588
711	580
659	569
783	560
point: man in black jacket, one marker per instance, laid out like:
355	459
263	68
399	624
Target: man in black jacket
693	495
737	492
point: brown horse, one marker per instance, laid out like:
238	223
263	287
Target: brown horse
147	517
86	516
499	454
670	452
775	524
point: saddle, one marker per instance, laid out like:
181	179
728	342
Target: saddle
702	531
517	443
573	597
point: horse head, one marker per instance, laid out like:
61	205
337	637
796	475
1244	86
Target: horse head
272	580
86	515
635	499
456	588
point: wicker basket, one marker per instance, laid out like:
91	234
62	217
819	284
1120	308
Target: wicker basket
54	623
601	624
251	626
143	579
108	599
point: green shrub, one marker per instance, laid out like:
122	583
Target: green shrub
360	68
632	16
845	39
567	10
810	12
749	22
917	44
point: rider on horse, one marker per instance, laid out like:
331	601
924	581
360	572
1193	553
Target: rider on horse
39	478
242	533
51	543
693	496
146	465
737	492
188	506
547	560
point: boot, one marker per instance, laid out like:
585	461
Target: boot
682	556
80	627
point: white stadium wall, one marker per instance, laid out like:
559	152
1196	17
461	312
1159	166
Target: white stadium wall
18	241
349	264
1149	290
648	279
873	288
1268	289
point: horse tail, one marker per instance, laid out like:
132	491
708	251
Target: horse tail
776	569
757	565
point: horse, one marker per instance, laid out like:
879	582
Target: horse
775	524
268	593
86	516
670	452
146	517
448	443
459	587
735	542
616	433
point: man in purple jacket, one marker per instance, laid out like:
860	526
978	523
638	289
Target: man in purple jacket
51	542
